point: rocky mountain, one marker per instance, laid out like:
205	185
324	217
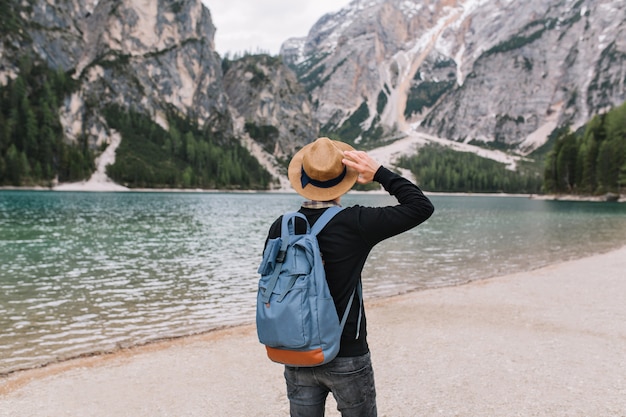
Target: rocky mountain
498	73
474	71
149	56
153	57
269	104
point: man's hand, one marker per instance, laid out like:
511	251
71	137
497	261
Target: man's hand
363	164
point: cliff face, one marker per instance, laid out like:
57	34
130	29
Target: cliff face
151	56
269	104
154	57
565	64
472	70
48	31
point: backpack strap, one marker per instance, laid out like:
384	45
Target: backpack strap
359	291
288	225
267	293
317	227
328	214
287	228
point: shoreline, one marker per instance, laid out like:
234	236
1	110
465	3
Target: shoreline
167	339
104	189
544	342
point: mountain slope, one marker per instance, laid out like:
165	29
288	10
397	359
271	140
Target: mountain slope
472	74
269	104
471	71
151	58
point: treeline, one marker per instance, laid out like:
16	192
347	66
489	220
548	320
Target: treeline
34	150
32	146
438	168
182	157
592	160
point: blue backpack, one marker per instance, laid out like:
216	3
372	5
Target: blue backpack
296	316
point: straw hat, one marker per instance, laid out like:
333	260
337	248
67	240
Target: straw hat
317	173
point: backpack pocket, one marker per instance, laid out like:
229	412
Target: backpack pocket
284	321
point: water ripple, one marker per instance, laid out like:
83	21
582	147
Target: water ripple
90	272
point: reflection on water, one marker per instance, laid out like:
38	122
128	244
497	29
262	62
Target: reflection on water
86	272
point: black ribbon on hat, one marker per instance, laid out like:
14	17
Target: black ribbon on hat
305	180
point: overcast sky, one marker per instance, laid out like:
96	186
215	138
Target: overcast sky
253	25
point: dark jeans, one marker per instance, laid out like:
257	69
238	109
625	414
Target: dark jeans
351	380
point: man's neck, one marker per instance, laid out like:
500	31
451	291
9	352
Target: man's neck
312	204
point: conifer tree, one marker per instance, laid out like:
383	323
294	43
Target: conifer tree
600	153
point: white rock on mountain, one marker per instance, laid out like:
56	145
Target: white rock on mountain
472	70
149	55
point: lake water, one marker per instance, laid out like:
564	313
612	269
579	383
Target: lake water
91	272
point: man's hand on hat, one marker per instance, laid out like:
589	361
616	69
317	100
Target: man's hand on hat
365	165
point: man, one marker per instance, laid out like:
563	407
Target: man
322	172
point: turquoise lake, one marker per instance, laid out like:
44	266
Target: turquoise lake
87	272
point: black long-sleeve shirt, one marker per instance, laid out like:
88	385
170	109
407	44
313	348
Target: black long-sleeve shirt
348	238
